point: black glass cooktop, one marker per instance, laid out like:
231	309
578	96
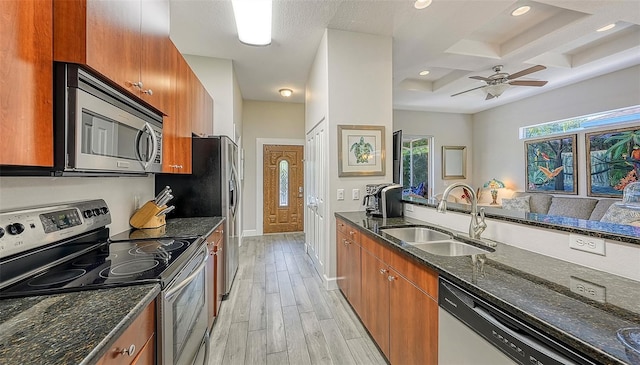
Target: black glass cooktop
110	264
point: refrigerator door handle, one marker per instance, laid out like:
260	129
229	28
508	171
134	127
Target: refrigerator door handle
234	176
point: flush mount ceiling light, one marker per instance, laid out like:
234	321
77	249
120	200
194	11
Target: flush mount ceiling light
285	92
424	73
606	28
253	20
421	4
521	10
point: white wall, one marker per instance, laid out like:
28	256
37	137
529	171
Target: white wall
118	192
359	87
317	88
499	153
264	120
218	78
448	129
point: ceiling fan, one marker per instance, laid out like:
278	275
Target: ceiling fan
500	81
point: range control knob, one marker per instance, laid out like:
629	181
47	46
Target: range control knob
104	210
87	213
1	232
96	212
15	228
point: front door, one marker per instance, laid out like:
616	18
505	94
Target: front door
283	189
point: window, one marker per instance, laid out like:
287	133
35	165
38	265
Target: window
596	120
284	183
417	165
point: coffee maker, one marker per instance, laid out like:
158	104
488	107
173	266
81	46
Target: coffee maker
383	200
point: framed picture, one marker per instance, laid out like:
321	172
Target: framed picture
551	165
613	162
360	150
454	162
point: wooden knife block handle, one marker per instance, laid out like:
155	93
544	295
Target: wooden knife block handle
145	217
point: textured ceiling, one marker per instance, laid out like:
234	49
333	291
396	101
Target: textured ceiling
454	39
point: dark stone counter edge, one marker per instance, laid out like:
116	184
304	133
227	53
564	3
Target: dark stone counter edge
613	231
119	329
543	326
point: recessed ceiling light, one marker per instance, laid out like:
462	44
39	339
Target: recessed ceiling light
253	20
521	10
606	27
285	92
424	73
421	4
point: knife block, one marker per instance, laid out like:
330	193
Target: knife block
145	217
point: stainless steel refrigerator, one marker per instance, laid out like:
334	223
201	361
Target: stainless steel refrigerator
212	190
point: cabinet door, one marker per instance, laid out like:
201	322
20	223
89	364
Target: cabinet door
156	60
210	271
342	270
413	323
354	274
26	85
374	300
113	40
176	129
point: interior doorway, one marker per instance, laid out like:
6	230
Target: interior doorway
283	188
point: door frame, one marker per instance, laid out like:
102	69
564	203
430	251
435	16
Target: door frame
260	142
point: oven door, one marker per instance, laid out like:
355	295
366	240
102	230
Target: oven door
183	306
111	139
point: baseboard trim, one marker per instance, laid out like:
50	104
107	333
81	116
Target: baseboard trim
330	283
249	233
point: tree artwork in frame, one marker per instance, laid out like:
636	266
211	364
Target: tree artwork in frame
613	161
361	150
551	165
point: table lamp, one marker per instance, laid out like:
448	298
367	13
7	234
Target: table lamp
494	185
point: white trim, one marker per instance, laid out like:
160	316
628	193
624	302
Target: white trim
249	233
330	283
260	142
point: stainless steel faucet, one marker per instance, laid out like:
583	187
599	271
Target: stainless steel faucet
477	224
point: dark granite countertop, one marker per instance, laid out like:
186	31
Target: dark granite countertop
176	227
610	231
534	288
71	328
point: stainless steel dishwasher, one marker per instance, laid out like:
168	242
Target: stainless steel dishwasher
471	331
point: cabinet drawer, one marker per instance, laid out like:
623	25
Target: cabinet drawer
341	226
134	338
422	277
376	249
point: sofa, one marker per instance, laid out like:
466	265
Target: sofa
574	207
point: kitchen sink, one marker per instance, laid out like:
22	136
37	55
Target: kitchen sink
414	235
449	248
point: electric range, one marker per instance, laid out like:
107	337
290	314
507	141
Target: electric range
66	247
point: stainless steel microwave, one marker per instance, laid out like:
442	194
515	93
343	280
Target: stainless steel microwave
100	130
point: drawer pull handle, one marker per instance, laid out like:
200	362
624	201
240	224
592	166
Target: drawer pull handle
148	92
391	278
129	351
383	271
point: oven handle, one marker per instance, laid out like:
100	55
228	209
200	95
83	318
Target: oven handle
154	149
188	279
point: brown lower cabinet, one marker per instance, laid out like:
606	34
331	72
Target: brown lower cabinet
348	264
397	301
137	345
214	267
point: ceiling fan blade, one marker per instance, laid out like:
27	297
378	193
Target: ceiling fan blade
466	91
489	96
526	72
528	83
479	78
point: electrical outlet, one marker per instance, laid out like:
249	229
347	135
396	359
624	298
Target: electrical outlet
340	194
590	290
355	194
136	201
408	207
587	244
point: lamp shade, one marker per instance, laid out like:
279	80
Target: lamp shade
494	184
496	90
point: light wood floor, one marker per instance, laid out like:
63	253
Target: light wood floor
278	312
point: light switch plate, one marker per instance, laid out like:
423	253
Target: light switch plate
587	289
587	244
355	194
340	194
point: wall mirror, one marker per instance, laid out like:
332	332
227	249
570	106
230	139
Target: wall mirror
454	162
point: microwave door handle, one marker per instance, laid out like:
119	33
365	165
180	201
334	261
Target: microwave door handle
154	148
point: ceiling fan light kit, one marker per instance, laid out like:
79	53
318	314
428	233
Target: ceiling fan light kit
500	81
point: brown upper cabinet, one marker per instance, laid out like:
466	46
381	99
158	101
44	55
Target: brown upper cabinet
26	83
125	41
202	108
